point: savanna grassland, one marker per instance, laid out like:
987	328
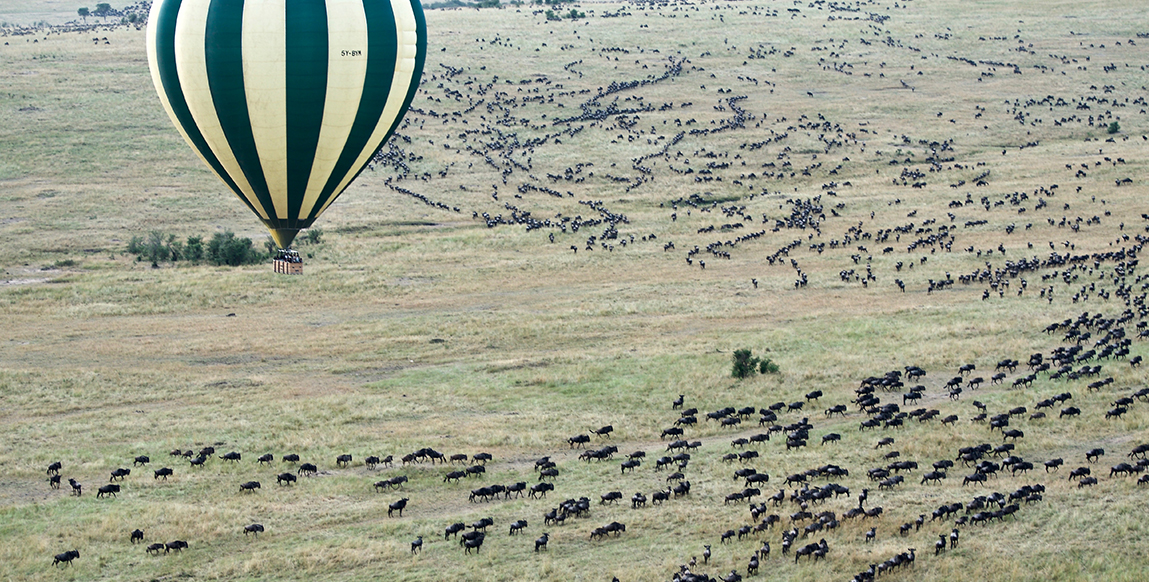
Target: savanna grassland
578	221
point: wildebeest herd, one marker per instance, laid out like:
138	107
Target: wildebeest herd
756	175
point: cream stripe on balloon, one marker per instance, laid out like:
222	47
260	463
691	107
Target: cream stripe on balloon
346	75
407	36
265	86
192	69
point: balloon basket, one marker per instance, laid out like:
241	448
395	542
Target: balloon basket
288	262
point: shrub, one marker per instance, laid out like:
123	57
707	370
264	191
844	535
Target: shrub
767	366
227	249
744	364
193	250
314	236
1114	127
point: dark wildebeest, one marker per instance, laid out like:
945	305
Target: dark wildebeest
66	558
398	505
254	528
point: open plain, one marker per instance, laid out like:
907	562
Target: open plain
578	221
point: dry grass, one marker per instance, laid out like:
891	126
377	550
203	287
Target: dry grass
104	358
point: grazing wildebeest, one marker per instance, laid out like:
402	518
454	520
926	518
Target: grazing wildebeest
249	486
254	528
399	505
66	557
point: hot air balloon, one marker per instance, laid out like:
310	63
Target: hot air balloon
286	100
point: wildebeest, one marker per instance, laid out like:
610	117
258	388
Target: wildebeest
176	545
120	474
66	557
54	468
249	486
1094	454
266	458
77	489
454	529
254	528
541	543
155	548
291	458
54	481
141	460
232	456
164	472
417	545
308	468
109	489
343	460
398	505
285	479
137	535
518	526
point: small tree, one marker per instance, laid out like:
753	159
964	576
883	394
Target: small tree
102	9
227	249
1114	127
84	13
314	236
744	364
575	14
767	366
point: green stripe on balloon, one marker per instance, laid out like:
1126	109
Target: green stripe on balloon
382	50
307	55
223	52
165	20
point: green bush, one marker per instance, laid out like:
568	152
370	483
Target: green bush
227	249
314	236
193	250
1114	127
744	364
767	366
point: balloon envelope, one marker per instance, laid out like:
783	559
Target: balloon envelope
286	100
